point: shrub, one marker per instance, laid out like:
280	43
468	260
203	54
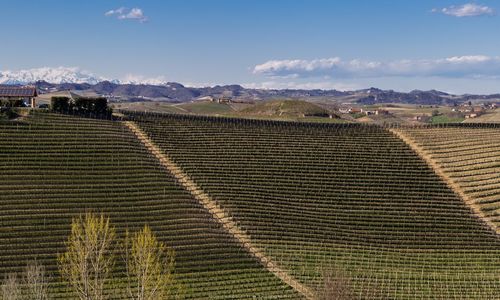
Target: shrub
60	104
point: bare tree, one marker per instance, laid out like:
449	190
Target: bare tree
10	288
87	263
149	266
35	282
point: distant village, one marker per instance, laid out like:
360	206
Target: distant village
467	110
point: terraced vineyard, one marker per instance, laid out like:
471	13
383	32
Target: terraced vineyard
348	197
53	167
470	156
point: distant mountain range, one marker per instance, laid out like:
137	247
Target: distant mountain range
57	79
56	75
176	92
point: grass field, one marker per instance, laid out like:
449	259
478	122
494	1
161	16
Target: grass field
207	108
443	119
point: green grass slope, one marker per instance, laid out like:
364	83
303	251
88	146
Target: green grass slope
285	108
206	108
54	167
353	198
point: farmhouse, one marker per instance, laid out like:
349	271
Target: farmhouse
15	94
350	110
471	116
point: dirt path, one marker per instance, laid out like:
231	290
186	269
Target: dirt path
444	176
218	213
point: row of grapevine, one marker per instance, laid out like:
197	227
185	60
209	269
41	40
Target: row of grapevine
54	167
470	155
348	197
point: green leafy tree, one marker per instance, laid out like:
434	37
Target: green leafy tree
60	104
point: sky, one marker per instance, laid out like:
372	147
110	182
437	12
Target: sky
451	46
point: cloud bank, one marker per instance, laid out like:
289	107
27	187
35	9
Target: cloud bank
473	66
466	10
124	13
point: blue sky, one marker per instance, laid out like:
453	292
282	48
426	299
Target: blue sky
402	45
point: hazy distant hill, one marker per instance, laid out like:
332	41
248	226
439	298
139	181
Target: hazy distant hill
176	92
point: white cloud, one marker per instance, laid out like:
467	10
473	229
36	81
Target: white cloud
472	66
466	10
118	11
124	13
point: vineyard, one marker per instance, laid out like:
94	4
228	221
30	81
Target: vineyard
253	207
348	197
54	167
470	157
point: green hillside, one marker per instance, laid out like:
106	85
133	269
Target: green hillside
285	108
350	197
53	167
206	108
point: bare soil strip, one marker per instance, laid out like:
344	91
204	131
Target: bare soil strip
444	176
218	213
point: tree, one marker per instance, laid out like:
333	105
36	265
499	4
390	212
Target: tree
88	261
149	266
10	288
92	106
60	104
35	282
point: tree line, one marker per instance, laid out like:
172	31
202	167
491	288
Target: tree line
84	106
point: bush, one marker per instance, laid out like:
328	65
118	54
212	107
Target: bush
12	103
8	113
60	104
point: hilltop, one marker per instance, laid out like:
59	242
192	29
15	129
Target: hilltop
283	108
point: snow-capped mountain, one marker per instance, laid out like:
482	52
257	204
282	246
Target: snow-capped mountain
53	75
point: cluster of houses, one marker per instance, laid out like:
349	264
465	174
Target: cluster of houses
473	111
223	100
347	109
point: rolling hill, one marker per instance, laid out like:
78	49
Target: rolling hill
176	92
54	167
285	108
258	208
348	196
